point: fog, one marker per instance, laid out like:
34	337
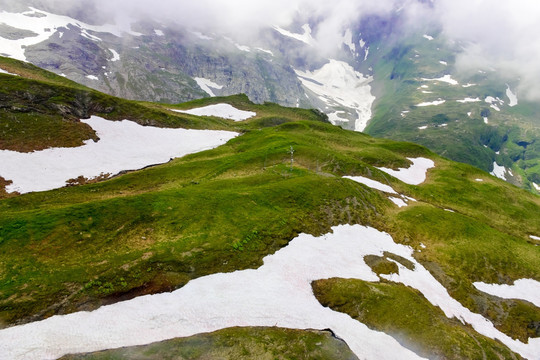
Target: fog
502	34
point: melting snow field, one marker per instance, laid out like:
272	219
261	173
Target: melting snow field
499	171
413	175
224	111
206	84
446	78
432	103
338	84
524	289
305	37
276	294
123	145
374	184
511	96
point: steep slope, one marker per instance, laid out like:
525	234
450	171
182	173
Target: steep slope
175	225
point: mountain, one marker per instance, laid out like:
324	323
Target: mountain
291	223
385	79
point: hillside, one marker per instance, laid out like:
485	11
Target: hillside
203	217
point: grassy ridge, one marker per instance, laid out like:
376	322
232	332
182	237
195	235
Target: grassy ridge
236	343
406	315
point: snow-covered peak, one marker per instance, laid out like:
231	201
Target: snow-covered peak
44	25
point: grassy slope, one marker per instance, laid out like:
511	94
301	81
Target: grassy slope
405	314
236	343
398	72
225	209
40	110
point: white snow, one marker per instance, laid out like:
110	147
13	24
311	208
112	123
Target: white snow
534	237
469	114
206	84
374	184
479	180
427	92
524	289
92	77
443	125
428	37
278	293
495	107
116	56
486	120
493	102
422	246
511	96
224	111
2	71
399	202
468	85
404	113
201	35
305	37
422	127
468	100
339	85
432	103
158	32
46	26
362	43
413	175
123	145
443	62
242	47
424	87
366	53
265	51
536	186
446	78
499	171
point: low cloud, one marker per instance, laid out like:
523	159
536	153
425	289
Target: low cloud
495	34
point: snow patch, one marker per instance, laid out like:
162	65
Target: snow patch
486	120
206	84
413	175
499	171
479	180
469	100
265	51
242	47
511	96
399	202
432	103
443	62
278	293
428	37
92	77
423	127
116	56
305	37
468	85
123	145
339	85
446	78
469	114
524	289
158	32
201	35
537	187
2	71
374	184
534	237
224	111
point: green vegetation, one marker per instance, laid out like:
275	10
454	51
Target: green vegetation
236	343
405	314
454	130
225	209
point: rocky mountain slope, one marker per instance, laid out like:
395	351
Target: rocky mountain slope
294	202
382	78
